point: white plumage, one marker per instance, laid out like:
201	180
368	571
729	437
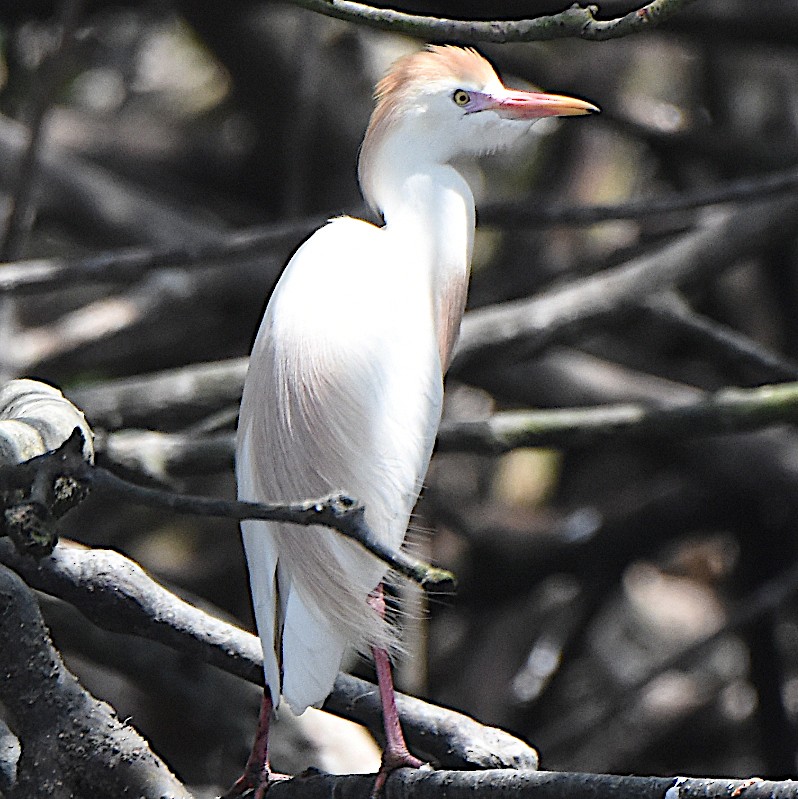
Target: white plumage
329	409
345	382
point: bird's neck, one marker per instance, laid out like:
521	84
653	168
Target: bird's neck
430	209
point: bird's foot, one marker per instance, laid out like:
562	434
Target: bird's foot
390	762
253	784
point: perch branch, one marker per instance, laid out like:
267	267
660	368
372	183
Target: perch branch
419	784
116	594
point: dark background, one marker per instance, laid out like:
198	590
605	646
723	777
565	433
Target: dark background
584	571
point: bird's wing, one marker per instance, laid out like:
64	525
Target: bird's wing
343	393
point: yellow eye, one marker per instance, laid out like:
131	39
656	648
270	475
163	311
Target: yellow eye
461	97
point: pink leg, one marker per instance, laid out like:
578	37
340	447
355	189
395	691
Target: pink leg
396	754
257	774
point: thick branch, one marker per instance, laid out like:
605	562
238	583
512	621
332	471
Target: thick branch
576	22
415	784
72	745
116	594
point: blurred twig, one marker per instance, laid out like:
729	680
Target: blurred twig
163	399
730	410
671	310
574	728
521	328
725	411
536	211
52	74
130	264
114	206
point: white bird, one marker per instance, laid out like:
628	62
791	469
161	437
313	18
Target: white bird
345	381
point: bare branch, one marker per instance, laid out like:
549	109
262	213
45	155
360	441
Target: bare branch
729	410
576	22
418	784
338	511
111	202
116	594
36	423
128	265
28	481
163	399
73	745
773	594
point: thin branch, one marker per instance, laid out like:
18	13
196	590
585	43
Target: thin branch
130	264
576	22
338	511
32	493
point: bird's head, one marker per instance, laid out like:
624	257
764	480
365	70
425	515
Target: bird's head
444	102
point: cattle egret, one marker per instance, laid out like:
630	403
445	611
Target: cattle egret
345	381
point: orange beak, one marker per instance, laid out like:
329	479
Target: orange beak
535	105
